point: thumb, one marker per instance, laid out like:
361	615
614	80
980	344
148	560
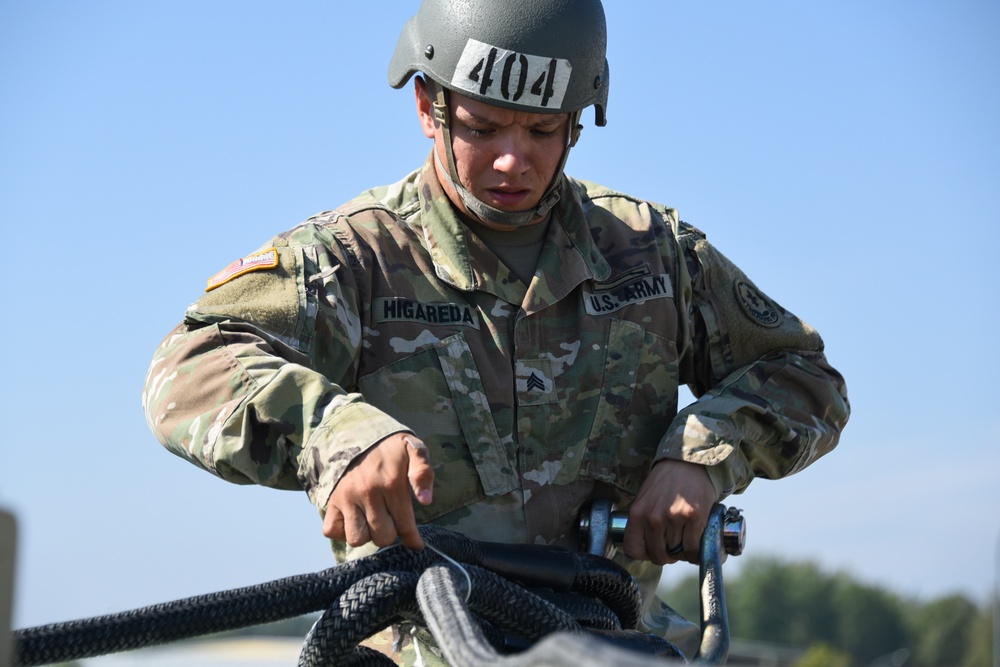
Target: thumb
420	471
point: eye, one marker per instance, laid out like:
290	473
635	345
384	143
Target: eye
478	132
544	134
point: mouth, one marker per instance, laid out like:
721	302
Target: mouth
508	197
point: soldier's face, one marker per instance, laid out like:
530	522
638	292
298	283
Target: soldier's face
505	158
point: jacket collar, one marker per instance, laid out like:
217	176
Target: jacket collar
570	255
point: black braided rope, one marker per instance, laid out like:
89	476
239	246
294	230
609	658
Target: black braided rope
523	613
596	577
216	612
367	607
439	593
172	621
588	612
368	594
612	584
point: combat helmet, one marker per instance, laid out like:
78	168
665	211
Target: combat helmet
538	56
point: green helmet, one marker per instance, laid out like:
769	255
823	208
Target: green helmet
538	56
534	55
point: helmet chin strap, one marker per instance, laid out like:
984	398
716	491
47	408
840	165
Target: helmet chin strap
480	209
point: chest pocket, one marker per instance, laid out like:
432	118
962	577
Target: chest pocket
438	392
637	403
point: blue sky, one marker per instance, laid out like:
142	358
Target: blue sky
844	154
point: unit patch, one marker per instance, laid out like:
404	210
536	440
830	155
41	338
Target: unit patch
387	309
757	306
609	297
266	259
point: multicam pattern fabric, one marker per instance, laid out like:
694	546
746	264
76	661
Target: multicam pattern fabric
387	315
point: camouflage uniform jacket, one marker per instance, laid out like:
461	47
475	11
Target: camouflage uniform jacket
387	315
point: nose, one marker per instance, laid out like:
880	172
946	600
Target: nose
512	154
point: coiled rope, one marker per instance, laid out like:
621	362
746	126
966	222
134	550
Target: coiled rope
450	620
362	597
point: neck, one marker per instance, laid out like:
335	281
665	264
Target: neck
508	237
489	215
518	249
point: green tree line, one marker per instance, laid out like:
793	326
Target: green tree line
839	621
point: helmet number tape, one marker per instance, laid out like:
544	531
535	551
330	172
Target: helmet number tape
499	74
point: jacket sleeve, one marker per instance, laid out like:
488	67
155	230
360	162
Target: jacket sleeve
769	403
256	384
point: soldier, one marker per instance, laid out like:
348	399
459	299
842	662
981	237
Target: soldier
489	344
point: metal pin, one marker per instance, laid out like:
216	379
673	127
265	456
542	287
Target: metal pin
468	579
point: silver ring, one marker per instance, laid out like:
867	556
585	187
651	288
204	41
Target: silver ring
673	551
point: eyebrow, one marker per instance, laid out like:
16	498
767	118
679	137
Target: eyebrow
550	121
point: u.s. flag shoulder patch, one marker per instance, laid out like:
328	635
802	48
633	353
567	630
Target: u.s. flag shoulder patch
265	259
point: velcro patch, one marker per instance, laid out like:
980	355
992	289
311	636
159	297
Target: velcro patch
604	301
503	75
266	259
757	306
535	382
408	310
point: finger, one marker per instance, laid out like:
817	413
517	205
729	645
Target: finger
380	518
656	544
356	529
634	541
405	523
333	523
651	524
420	472
693	532
676	549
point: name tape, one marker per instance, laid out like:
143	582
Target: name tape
408	310
650	287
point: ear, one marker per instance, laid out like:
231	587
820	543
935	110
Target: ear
425	107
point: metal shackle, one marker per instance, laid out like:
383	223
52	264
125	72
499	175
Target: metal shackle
601	527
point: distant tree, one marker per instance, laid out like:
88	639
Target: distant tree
797	604
787	603
871	621
942	630
822	655
979	651
683	597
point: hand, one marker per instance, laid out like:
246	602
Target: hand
671	509
371	502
